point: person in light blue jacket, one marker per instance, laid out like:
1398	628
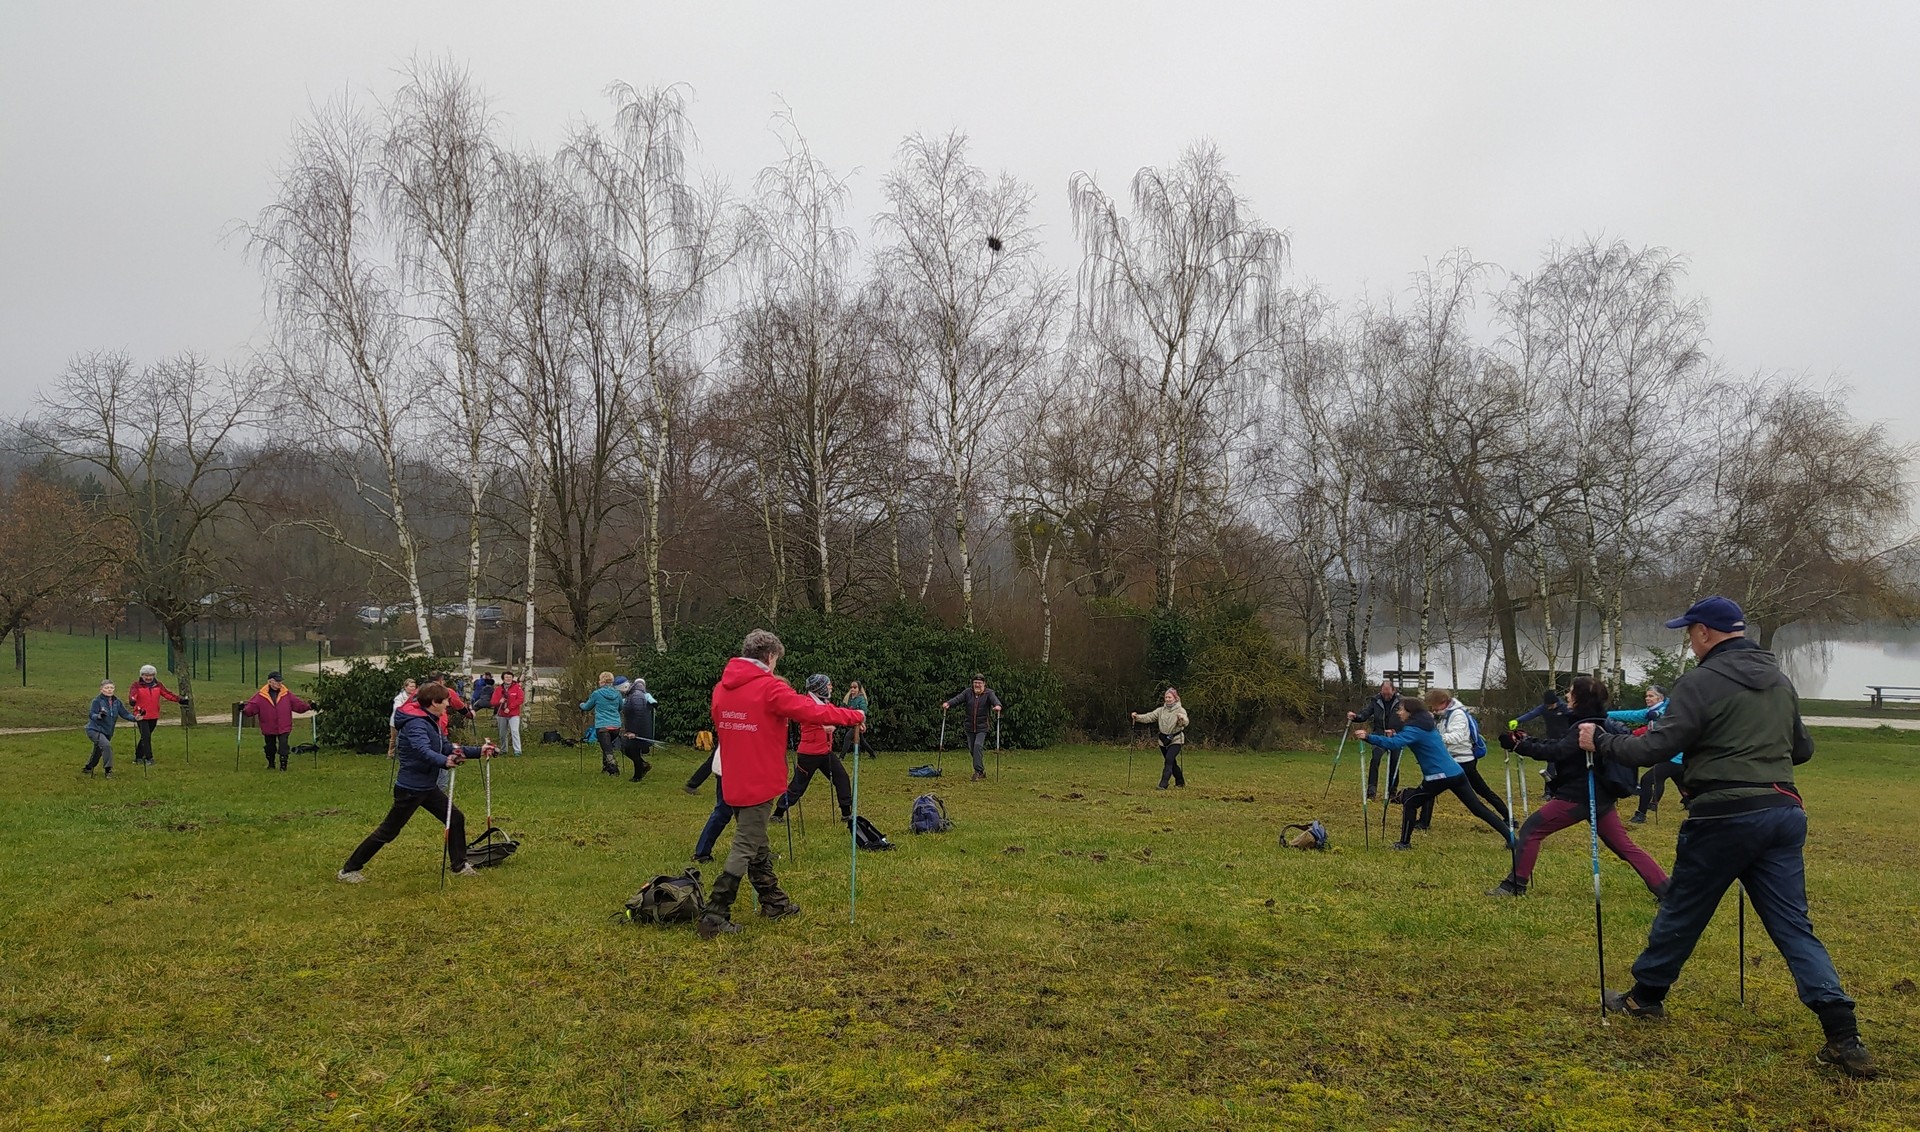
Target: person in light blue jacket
604	703
1439	772
1653	783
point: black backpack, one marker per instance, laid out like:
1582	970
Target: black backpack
668	900
491	848
868	838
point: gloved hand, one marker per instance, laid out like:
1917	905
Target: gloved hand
1509	739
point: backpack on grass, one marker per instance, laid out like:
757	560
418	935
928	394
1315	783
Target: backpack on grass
668	900
868	838
491	848
929	815
927	770
1310	836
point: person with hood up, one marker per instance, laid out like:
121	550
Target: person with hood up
1737	717
144	697
1653	784
982	705
751	709
425	753
274	706
1170	720
604	703
1441	775
1380	714
636	726
507	705
103	714
815	755
1565	805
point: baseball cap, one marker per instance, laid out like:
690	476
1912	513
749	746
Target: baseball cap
1721	614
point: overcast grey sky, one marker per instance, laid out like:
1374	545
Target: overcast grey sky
1775	145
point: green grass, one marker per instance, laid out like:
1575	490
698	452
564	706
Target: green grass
1078	953
64	674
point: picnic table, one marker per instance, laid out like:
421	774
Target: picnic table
1881	693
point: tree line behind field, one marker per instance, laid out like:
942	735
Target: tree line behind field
598	397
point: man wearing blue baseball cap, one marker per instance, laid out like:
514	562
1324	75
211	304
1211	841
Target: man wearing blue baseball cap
1737	717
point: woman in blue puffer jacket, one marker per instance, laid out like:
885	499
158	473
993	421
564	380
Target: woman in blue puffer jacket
424	751
605	704
1440	774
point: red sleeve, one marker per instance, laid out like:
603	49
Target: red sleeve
165	694
786	703
298	703
252	706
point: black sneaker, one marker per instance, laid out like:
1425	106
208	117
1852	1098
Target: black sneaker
1402	845
1850	1056
703	858
1639	818
87	770
712	926
1614	1002
781	912
1512	886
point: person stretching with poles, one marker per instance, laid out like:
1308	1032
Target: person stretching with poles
274	706
1378	714
815	754
1462	736
751	709
1442	774
1737	717
1653	783
144	697
1567	803
424	751
1170	719
103	714
983	706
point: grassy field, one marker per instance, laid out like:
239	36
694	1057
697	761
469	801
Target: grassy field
1077	953
64	673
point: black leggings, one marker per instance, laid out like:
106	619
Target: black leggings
405	802
1480	787
1170	767
143	750
275	745
803	771
1654	783
609	738
1424	794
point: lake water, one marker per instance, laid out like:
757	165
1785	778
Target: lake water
1825	661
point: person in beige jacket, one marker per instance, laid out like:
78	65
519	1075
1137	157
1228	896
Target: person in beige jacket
1171	718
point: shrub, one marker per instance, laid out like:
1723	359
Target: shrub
908	662
578	679
358	702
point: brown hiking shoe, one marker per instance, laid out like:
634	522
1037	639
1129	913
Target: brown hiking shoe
712	926
1850	1056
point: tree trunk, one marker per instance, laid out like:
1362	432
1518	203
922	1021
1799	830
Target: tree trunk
926	576
1046	607
655	474
476	498
966	560
1503	612
535	501
177	640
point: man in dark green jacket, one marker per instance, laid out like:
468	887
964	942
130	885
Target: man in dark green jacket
1737	717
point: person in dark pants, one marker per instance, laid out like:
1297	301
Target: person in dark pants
424	751
722	813
1441	774
274	706
636	727
1170	722
103	714
605	702
1379	714
815	755
982	706
1462	737
144	698
1653	784
1737	717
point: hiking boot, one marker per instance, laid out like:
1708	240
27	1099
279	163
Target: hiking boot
108	773
1615	1002
1850	1056
780	911
703	858
1639	818
87	770
712	925
1402	846
979	776
345	877
1512	886
1162	786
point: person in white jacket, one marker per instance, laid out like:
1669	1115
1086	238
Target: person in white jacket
1459	731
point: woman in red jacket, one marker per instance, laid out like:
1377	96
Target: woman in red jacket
507	702
816	756
144	698
751	709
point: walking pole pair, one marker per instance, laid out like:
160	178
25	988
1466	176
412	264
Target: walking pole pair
446	830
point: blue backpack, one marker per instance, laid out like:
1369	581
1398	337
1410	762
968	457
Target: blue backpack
929	815
1473	731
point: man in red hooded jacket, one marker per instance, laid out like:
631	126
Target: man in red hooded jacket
751	709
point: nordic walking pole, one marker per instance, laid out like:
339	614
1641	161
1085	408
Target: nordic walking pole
940	754
238	722
1593	837
996	744
1508	764
1366	820
1743	944
853	836
1344	733
313	719
446	830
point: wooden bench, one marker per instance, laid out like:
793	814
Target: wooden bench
1881	693
1403	678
